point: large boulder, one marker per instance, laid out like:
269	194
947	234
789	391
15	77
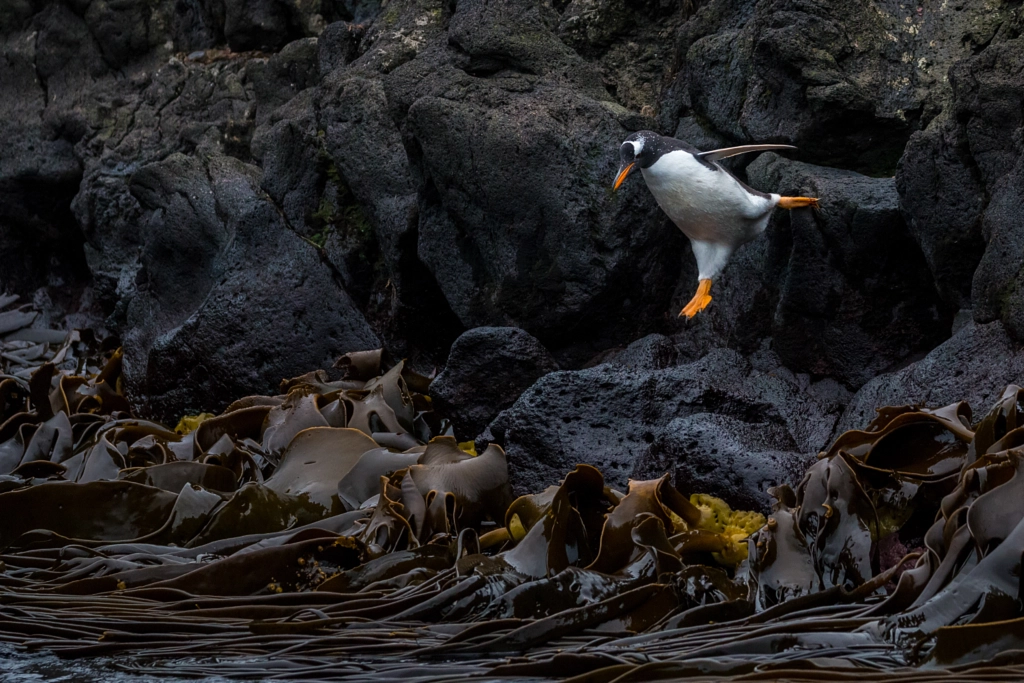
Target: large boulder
975	365
487	370
227	301
618	419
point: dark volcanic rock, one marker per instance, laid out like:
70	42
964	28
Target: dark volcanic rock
271	24
228	301
989	98
653	352
627	40
544	264
847	82
961	187
489	367
855	298
40	242
974	366
189	107
445	166
726	457
942	199
258	25
444	147
611	416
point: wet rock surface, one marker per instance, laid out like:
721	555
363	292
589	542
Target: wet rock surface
727	457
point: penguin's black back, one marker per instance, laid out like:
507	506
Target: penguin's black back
657	146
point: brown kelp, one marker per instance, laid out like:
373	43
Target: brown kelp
336	532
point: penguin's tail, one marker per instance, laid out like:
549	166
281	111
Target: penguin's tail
798	202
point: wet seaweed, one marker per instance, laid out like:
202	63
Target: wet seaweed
337	531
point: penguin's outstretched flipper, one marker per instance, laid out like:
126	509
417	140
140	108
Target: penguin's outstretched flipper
726	152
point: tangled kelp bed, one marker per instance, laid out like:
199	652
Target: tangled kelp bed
334	532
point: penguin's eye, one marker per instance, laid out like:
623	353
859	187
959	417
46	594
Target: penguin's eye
627	152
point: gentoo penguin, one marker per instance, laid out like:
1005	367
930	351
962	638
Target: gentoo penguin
710	205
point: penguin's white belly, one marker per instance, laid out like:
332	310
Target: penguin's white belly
706	204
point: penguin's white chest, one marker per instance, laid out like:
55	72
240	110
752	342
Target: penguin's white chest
706	203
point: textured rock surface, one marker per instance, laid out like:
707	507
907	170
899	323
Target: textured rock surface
961	187
989	97
847	82
735	460
973	366
401	174
653	352
227	300
851	301
611	416
487	370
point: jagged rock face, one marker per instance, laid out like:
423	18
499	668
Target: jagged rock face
483	157
213	291
487	370
847	82
962	187
408	172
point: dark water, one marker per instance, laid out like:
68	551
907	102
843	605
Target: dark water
19	666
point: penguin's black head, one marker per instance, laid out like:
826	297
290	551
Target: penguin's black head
639	149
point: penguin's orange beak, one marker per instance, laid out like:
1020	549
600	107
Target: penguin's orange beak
623	172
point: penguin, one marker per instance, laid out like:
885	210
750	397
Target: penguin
712	207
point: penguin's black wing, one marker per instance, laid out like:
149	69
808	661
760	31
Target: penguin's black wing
726	152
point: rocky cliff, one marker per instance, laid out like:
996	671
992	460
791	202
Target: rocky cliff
244	190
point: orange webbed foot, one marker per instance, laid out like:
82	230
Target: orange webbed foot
699	301
798	202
